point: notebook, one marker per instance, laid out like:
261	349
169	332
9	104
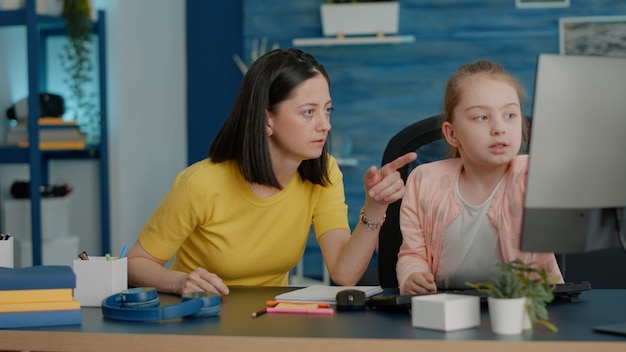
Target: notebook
322	293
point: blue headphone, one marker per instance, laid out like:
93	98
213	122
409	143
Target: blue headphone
142	304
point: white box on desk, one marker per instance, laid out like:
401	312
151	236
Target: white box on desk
57	251
6	253
55	217
446	312
98	278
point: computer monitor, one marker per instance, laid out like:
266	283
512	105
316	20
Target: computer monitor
576	185
576	182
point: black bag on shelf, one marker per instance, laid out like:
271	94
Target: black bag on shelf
50	105
21	190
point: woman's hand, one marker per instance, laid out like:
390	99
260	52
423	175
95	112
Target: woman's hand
149	271
385	185
200	280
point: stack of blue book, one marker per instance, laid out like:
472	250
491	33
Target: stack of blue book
38	296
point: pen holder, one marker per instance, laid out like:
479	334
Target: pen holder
99	278
6	253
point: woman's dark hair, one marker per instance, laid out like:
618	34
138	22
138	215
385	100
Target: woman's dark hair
270	80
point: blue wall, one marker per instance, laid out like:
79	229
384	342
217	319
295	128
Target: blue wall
213	36
379	89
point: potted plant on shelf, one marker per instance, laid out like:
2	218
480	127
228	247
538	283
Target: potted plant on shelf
523	286
76	61
359	17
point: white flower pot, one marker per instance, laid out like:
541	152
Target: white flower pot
10	4
506	315
50	7
378	18
43	7
526	322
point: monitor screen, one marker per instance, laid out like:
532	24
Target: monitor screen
576	186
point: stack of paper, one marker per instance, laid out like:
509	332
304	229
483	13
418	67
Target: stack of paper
322	293
38	296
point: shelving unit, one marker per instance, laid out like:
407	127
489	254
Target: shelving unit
362	40
38	29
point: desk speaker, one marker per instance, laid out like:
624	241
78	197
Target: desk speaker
142	304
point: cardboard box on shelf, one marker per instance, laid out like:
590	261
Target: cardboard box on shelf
55	217
57	251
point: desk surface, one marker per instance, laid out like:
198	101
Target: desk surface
235	329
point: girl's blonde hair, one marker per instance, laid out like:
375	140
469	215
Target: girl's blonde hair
454	87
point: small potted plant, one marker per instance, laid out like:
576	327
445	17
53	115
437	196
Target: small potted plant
522	285
76	60
359	17
538	289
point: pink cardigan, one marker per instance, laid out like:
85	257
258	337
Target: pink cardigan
429	206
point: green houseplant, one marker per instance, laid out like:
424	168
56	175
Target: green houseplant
76	61
517	279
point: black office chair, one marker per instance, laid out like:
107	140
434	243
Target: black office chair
425	138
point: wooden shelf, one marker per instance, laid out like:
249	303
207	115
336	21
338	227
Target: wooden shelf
347	161
332	41
12	154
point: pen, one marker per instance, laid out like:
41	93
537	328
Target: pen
259	313
124	250
107	257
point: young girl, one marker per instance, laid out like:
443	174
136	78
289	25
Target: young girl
242	216
461	216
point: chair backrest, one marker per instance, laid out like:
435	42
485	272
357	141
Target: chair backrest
425	138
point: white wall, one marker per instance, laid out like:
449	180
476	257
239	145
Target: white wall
147	109
146	74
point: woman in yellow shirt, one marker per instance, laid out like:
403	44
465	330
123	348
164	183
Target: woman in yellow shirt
242	216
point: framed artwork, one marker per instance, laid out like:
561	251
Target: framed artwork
596	36
540	4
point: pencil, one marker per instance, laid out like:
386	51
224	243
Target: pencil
319	311
259	313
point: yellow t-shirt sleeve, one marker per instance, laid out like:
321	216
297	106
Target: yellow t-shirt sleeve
176	216
331	211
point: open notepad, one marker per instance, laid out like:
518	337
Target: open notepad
322	293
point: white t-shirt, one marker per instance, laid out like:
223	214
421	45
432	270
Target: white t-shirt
470	248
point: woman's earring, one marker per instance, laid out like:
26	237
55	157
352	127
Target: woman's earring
268	131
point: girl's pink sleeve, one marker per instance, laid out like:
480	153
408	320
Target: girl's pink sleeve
413	254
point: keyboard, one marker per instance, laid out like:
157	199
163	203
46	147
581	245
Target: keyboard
568	291
391	301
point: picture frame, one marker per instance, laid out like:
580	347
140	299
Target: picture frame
593	35
541	4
